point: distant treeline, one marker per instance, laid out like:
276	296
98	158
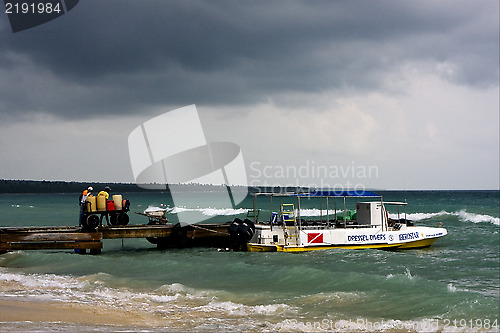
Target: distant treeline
43	186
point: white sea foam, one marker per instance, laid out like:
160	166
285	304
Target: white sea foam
463	215
232	308
208	211
418	216
154	209
19	206
93	290
223	211
477	218
38	281
408	274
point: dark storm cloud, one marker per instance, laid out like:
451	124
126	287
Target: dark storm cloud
121	56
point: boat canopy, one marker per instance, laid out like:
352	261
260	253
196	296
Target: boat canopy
339	193
396	203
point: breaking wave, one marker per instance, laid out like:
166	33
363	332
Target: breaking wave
205	211
209	211
477	218
154	209
463	215
172	305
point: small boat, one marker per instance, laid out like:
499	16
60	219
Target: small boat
367	227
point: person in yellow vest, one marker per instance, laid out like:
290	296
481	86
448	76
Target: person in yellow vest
105	193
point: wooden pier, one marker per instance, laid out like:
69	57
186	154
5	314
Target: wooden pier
163	235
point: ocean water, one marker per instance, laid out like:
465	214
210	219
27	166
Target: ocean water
453	286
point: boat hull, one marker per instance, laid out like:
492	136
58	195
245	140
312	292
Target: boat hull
418	244
292	248
252	247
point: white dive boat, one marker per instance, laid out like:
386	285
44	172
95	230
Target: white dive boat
368	226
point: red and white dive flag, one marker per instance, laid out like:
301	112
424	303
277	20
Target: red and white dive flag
315	238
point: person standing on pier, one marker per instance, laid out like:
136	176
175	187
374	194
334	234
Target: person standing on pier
83	202
105	193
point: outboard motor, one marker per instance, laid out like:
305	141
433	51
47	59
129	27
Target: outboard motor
240	232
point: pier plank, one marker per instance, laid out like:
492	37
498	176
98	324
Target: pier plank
10	230
56	237
135	231
49	246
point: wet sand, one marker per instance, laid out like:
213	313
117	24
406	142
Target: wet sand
22	311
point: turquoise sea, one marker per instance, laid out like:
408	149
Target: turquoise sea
453	286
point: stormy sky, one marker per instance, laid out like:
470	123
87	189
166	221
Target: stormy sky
382	94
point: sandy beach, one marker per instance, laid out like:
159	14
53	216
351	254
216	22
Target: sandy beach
22	311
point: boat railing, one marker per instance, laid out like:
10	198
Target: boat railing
315	227
363	226
333	226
